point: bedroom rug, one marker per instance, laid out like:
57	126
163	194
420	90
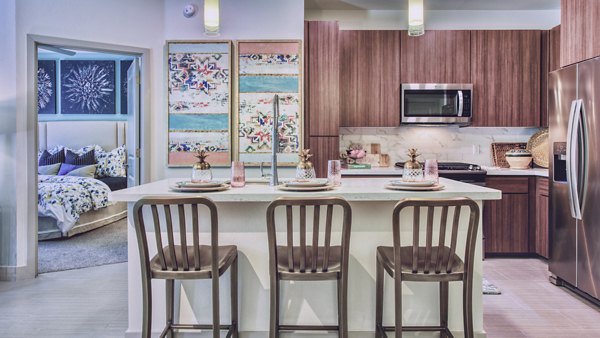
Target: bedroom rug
105	245
490	289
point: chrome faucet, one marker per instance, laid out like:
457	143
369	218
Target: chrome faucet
275	142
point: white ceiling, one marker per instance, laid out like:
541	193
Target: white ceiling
433	4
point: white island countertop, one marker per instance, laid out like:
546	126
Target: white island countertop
365	189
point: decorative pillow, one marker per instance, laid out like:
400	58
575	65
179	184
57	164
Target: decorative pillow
87	158
111	164
66	168
46	158
83	171
51	169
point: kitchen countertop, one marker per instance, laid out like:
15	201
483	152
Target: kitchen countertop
492	171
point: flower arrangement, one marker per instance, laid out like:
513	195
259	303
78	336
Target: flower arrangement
354	153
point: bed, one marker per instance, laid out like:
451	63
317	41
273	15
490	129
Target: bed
72	205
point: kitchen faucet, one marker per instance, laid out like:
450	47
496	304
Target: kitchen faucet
275	142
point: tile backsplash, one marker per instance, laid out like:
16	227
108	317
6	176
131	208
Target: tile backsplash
449	143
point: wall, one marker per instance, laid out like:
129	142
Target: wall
8	106
472	145
136	23
378	19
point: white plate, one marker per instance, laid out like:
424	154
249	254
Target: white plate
208	184
401	183
300	188
317	182
220	187
435	187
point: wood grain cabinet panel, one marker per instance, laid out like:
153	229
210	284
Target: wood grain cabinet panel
541	233
505	71
436	57
324	149
554	48
506	222
322	78
369	78
550	62
580	32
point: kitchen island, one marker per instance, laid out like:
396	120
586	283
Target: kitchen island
242	222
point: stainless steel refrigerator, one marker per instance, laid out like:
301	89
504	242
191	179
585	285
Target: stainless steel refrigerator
574	118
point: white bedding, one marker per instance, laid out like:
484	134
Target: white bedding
65	198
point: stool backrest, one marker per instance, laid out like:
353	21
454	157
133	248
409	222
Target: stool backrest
181	207
443	260
316	204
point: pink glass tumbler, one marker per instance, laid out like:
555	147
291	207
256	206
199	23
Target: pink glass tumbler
334	172
431	171
238	174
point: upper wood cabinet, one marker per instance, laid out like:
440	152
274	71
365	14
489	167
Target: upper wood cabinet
436	57
554	48
580	31
322	78
505	71
370	78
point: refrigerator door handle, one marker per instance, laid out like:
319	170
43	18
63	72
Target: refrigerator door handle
572	158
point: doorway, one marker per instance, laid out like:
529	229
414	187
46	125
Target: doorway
89	98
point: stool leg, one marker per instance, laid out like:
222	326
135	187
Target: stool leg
468	307
274	322
343	305
146	307
234	297
398	302
444	307
378	298
215	308
169	286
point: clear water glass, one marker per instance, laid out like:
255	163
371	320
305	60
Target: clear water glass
431	171
238	174
334	172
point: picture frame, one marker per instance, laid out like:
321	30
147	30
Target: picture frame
264	68
199	108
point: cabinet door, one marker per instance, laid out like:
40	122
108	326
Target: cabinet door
322	78
541	217
323	149
505	71
550	63
580	32
506	222
370	78
436	57
554	48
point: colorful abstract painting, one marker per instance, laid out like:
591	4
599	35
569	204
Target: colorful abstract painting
265	69
199	102
87	87
46	87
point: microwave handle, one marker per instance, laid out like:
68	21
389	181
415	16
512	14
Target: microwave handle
459	98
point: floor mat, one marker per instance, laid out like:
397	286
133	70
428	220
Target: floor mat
105	245
490	289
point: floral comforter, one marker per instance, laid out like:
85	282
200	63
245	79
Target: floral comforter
65	198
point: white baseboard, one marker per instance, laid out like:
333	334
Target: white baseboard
264	334
15	273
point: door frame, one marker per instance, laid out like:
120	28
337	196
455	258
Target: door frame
33	41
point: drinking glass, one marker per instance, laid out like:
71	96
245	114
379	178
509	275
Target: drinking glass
431	171
334	172
238	174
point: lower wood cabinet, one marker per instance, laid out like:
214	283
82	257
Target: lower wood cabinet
518	223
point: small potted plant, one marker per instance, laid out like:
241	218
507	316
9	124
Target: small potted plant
201	171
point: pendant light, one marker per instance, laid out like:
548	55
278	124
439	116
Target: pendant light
416	21
211	17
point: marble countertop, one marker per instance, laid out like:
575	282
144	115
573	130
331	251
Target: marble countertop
365	189
492	171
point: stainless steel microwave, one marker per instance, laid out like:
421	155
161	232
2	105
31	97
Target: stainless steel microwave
434	103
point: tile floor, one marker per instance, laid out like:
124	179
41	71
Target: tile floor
92	302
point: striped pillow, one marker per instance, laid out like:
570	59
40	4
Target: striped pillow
87	158
46	158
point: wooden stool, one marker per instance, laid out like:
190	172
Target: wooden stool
312	262
184	261
430	263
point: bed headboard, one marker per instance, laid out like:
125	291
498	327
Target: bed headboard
77	134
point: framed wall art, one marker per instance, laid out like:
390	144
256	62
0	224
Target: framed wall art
46	86
87	87
266	68
199	101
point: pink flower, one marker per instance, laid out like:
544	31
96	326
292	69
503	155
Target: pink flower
357	153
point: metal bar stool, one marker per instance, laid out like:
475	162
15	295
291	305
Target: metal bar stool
309	262
184	261
431	263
